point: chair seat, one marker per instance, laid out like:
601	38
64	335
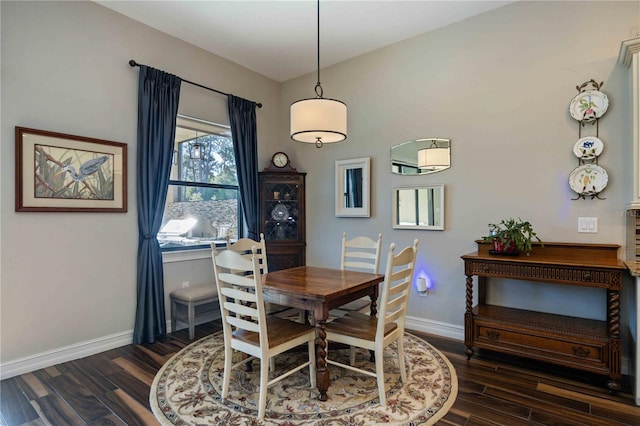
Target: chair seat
195	293
278	331
356	324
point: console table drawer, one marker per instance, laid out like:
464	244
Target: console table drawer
541	345
569	275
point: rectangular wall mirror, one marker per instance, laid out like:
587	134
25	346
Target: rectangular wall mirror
418	207
352	187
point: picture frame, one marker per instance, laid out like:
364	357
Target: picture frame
57	172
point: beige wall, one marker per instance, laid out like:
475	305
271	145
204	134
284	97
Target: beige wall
71	277
498	85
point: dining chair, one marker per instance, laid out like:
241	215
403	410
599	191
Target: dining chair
374	334
247	327
360	254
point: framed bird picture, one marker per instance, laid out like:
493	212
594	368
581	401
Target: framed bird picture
56	172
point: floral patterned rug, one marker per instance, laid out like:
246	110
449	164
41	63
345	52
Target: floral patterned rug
186	390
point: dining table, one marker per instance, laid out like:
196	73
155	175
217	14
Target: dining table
318	290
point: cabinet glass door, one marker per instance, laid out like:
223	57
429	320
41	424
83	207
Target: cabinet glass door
281	208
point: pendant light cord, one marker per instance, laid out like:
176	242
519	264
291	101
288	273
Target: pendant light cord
318	87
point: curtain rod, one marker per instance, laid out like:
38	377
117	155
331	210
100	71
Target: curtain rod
133	63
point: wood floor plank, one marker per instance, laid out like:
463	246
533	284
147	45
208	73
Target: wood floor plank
128	409
109	420
136	370
85	404
476	407
132	386
544	406
32	387
15	407
53	410
93	379
549	419
595	401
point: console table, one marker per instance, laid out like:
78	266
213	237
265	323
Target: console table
580	343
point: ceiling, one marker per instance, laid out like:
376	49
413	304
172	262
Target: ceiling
278	39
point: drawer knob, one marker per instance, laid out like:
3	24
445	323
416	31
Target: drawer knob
587	276
580	351
493	335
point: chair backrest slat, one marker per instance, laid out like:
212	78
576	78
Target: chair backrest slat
241	309
243	324
361	253
396	287
239	294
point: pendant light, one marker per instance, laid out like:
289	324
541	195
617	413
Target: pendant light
318	120
195	151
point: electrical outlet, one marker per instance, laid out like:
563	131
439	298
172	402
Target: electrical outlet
185	284
424	293
588	225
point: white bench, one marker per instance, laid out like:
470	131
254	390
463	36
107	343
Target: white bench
190	298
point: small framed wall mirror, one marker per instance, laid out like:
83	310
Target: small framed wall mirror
352	187
421	156
418	207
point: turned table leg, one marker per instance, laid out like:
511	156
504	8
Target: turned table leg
468	319
322	373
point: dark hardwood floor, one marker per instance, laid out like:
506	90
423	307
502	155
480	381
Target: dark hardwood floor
112	388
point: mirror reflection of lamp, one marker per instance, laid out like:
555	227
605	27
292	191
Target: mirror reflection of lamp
433	157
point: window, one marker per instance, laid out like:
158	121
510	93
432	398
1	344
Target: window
203	199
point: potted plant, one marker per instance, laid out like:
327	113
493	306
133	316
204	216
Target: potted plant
511	236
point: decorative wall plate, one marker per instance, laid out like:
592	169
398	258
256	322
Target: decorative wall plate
588	148
589	105
280	212
588	179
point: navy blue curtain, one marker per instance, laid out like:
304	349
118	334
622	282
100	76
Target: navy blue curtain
242	117
158	96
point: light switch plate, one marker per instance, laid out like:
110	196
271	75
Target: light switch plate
588	224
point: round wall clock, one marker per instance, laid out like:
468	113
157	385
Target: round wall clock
280	159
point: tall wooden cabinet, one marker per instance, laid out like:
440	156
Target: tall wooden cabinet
282	218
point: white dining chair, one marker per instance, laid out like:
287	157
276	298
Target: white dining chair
247	327
359	254
374	334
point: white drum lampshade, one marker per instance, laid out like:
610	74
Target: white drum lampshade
318	120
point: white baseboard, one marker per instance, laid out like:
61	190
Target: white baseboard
438	328
64	354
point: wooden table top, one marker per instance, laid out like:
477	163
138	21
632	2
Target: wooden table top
317	282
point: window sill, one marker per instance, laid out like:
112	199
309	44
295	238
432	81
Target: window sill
186	255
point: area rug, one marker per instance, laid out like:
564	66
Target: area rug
187	389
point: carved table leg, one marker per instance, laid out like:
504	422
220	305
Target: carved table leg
468	319
374	303
322	374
